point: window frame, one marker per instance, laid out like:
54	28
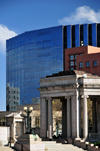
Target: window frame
95	63
71	58
80	64
87	63
72	63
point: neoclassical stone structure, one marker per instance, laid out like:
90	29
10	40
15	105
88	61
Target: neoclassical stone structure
16	122
70	87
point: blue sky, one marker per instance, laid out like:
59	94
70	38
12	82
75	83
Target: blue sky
18	16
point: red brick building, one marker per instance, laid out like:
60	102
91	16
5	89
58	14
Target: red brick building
84	58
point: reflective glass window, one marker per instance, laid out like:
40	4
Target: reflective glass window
94	34
69	36
76	56
85	34
71	57
71	68
95	63
71	63
31	56
81	65
77	35
88	64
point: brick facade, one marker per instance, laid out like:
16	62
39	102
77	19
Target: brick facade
88	54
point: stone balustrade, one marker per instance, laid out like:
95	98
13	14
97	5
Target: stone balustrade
94	135
82	144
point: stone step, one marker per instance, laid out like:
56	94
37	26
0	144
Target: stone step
53	146
50	146
5	148
49	142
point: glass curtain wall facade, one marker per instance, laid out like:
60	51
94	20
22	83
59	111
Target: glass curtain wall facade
36	54
86	34
31	56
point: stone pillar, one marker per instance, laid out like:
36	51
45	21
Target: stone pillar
24	127
80	135
14	129
94	124
64	118
75	116
69	126
43	128
98	116
50	118
33	121
85	117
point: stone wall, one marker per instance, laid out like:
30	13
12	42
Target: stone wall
4	135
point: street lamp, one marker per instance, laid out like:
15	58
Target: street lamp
28	111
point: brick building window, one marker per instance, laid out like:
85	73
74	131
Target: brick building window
81	65
71	68
76	56
71	57
88	64
71	63
95	63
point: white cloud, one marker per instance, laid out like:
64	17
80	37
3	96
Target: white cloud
5	33
83	14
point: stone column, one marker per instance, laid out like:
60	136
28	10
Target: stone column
94	124
64	119
50	118
14	127
69	117
24	126
80	135
43	128
85	117
75	116
33	121
98	116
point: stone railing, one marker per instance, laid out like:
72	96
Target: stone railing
82	144
94	135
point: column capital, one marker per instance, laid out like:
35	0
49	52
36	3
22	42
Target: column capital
41	98
73	96
84	96
48	98
67	97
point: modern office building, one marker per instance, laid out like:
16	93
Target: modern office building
32	55
38	53
12	97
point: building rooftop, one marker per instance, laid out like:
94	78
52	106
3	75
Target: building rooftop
73	72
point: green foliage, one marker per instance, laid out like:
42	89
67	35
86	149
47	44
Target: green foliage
97	144
90	143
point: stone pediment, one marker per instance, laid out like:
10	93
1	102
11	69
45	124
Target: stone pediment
15	115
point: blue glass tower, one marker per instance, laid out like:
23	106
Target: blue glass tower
31	56
36	54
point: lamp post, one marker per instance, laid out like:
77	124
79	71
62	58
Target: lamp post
28	111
